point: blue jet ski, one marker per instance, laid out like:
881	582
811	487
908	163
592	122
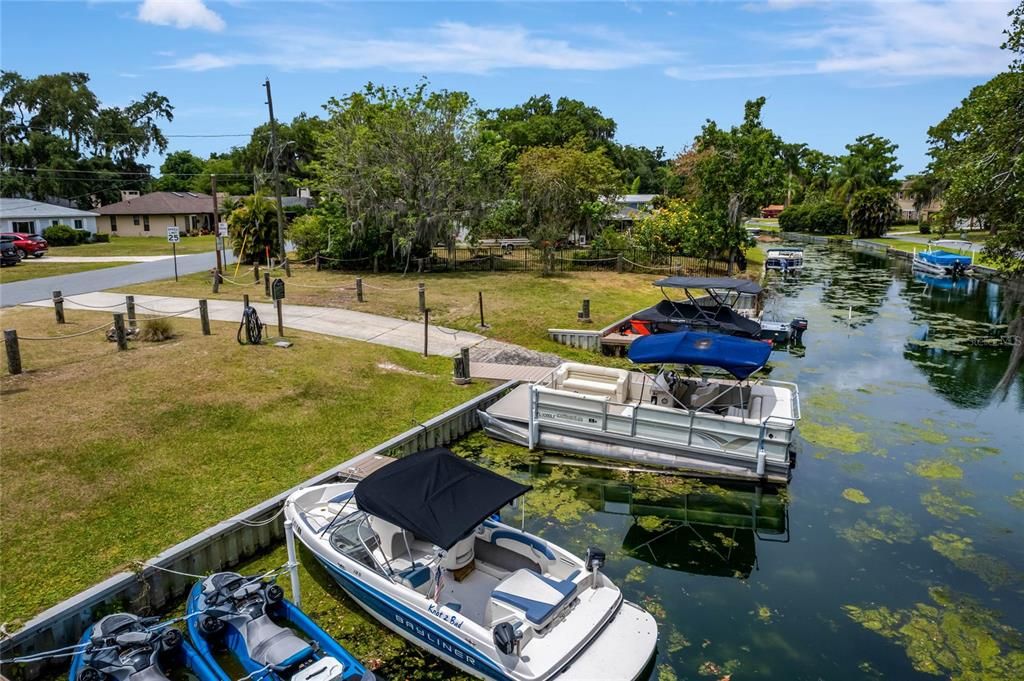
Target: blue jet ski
124	646
250	618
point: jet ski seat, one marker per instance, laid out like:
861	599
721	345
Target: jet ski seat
273	645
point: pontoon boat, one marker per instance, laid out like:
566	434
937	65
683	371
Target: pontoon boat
784	259
943	263
717	424
417	545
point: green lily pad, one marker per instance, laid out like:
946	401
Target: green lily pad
855	495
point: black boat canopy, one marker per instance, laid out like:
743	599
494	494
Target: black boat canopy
722	283
436	495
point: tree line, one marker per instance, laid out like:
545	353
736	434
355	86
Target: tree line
398	171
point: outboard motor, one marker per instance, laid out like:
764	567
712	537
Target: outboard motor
123	646
237	610
594	562
958	269
798	325
507	638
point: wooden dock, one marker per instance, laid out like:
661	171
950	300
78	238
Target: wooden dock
508	372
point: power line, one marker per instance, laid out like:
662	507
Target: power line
128	134
19	170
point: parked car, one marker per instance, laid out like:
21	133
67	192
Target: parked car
27	244
8	254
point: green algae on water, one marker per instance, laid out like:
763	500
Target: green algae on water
954	637
936	469
913	434
835	436
1017	499
885	524
666	673
946	506
855	495
960	551
677	641
638	573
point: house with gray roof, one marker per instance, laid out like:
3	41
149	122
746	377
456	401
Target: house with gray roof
32	217
151	214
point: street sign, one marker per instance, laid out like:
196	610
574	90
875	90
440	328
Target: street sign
222	229
277	289
173	235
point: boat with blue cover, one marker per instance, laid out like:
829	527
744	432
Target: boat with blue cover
124	646
701	411
272	639
943	263
417	545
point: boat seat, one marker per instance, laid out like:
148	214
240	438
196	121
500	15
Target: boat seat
270	644
537	597
703	395
416	578
752	412
513	541
461	554
394	541
593	380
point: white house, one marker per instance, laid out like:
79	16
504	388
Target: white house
32	217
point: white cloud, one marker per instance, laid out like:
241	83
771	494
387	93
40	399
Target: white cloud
180	14
453	47
910	39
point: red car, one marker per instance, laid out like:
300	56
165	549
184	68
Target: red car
27	244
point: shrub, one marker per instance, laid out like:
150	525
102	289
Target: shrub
924	228
156	330
60	235
101	238
609	242
309	233
82	236
815	218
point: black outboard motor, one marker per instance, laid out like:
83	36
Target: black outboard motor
958	269
798	325
123	646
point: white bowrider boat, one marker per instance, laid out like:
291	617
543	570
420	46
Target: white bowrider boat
416	544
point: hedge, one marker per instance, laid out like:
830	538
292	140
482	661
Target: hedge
814	218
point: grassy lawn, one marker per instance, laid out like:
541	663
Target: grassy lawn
41	268
139	245
117	455
520	307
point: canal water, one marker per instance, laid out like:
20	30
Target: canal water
897	552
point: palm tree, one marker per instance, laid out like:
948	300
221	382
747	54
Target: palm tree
792	160
850	176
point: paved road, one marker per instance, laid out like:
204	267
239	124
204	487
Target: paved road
18	292
329	321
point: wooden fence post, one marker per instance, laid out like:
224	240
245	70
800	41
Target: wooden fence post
204	317
618	263
266	284
280	319
584	313
216	281
317	257
119	331
13	351
256	272
129	307
375	269
426	331
423	297
287	267
58	306
359	289
480	298
461	368
245	300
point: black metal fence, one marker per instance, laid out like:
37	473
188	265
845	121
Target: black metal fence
520	259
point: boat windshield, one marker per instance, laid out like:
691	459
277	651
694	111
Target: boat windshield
354	538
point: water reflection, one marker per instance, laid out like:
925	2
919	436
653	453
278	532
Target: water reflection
681	523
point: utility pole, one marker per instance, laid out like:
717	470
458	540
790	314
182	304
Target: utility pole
216	223
277	176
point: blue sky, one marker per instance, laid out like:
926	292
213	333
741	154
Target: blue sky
830	70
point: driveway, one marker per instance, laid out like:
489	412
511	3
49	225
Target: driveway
18	292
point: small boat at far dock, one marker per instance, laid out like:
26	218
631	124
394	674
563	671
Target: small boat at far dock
943	263
784	259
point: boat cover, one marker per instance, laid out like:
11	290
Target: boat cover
722	283
722	319
739	356
436	495
944	258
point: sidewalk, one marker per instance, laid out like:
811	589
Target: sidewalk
98	258
329	321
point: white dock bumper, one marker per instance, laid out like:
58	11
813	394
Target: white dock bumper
621	652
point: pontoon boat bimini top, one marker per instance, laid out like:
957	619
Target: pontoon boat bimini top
436	495
739	356
711	284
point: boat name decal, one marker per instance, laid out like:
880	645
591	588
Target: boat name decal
449	618
441	644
